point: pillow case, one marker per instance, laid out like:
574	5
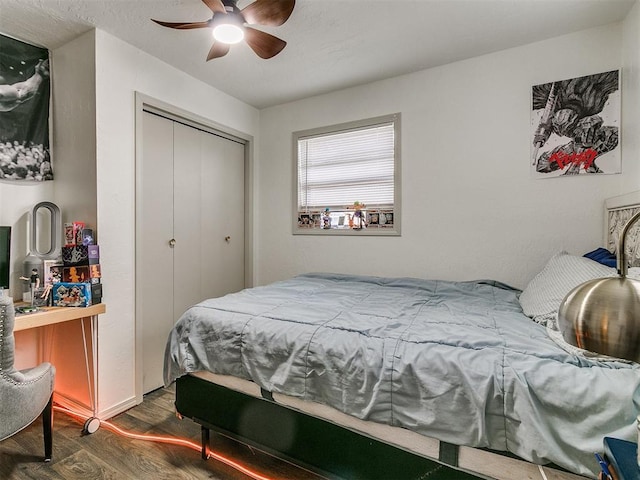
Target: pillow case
603	256
541	298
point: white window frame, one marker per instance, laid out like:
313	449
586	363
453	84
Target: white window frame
393	119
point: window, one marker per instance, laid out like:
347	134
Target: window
347	178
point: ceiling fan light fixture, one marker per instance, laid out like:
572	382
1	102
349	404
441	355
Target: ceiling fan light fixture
229	33
230	25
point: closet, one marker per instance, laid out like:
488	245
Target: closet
190	238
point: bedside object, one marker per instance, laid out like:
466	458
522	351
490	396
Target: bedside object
600	315
622	456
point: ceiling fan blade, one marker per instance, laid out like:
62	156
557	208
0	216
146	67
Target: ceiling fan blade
264	44
216	6
218	49
268	12
182	25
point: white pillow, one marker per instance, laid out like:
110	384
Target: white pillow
541	299
633	272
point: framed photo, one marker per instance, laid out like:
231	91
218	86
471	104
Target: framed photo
575	126
52	270
386	218
304	220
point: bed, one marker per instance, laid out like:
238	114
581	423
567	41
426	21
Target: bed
330	370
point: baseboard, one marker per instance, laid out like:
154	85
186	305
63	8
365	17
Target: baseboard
82	409
72	404
117	408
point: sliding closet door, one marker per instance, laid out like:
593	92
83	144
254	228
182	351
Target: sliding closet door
189	219
225	207
154	294
193	217
208	216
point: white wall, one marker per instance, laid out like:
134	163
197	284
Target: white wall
121	70
74	122
631	96
470	209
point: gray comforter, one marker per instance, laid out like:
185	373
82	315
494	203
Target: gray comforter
457	361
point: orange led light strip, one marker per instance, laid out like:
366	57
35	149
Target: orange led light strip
170	440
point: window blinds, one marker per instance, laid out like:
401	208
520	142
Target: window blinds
337	169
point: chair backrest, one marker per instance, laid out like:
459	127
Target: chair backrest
24	394
7	342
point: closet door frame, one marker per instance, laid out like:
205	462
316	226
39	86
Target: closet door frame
171	112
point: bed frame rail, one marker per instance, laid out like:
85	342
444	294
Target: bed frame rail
318	445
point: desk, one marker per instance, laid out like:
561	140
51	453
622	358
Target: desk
52	315
48	316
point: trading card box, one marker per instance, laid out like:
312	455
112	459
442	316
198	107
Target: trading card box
66	294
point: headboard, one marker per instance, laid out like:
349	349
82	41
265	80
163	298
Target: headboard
617	212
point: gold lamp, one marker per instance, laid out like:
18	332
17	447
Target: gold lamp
603	315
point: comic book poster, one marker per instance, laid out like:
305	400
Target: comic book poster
24	112
575	126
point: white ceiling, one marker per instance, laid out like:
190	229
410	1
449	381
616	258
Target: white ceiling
332	44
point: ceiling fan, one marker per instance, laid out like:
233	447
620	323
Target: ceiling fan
230	25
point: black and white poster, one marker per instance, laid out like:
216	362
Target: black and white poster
576	126
24	112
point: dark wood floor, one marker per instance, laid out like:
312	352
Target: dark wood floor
105	455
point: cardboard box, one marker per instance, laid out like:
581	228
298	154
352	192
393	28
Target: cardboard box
75	255
77	274
93	251
41	297
96	293
73	233
66	294
94	273
87	236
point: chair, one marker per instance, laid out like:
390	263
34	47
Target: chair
24	394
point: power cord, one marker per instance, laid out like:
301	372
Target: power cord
164	439
544	476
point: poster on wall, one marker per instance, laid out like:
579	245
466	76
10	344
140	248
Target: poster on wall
24	112
575	126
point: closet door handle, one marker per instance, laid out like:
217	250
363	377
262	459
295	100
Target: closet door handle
172	243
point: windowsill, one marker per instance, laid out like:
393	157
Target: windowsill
374	221
363	232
